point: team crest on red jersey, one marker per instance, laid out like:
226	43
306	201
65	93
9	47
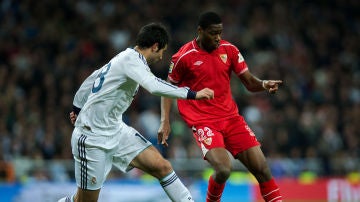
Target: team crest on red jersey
171	67
208	141
223	57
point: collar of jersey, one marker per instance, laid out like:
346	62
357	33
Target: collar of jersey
141	56
200	50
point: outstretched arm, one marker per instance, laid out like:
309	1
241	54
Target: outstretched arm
253	84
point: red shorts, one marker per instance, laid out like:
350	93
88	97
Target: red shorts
232	134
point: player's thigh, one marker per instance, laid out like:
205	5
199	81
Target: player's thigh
131	145
211	142
219	158
92	163
151	161
253	158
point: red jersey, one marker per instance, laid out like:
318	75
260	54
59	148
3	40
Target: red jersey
195	68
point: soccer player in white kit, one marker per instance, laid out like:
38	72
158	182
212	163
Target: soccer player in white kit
101	139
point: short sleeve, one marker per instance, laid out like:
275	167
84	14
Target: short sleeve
175	69
238	61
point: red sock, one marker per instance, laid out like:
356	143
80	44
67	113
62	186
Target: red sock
270	191
214	191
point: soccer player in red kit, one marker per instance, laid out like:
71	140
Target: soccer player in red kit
208	61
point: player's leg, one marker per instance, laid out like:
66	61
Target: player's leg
92	165
243	145
137	151
254	159
151	162
220	161
211	143
82	195
66	199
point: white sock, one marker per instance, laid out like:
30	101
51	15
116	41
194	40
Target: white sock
66	199
175	189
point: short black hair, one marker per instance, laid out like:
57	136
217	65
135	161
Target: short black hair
209	18
152	33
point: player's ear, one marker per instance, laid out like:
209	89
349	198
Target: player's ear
199	30
155	47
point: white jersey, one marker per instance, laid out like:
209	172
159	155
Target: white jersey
83	92
108	92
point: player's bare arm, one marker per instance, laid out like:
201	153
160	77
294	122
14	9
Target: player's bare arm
164	128
164	132
254	84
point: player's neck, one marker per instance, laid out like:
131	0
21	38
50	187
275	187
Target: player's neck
143	52
198	41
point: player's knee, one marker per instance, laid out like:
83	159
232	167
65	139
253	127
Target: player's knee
164	168
222	173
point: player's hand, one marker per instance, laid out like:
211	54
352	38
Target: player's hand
272	85
73	117
164	132
205	93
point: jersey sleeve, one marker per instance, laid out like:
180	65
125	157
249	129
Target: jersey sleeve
83	92
141	74
175	69
238	61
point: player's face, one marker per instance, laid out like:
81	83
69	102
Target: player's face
157	55
210	37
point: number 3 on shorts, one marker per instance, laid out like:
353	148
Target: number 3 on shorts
100	79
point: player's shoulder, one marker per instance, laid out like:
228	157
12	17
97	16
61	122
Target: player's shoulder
187	48
129	57
227	45
185	51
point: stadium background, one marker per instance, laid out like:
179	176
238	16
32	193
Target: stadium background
309	130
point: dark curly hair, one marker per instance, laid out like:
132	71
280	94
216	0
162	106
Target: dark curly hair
152	33
209	18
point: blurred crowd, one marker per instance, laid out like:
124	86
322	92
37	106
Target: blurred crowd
47	48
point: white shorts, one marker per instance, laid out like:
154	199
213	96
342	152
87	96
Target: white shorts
94	154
